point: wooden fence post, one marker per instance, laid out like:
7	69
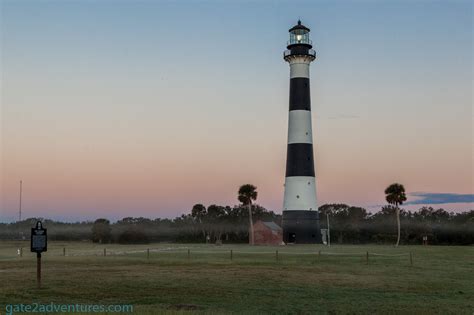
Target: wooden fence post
231	254
64	251
105	252
276	255
147	253
411	259
367	258
21	251
189	254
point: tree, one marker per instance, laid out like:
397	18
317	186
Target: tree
395	195
247	193
101	231
346	221
215	216
133	236
198	212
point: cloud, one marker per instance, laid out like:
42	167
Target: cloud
439	198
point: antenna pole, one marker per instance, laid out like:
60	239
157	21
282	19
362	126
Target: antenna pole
19	210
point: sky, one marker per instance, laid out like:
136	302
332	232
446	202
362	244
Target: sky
144	108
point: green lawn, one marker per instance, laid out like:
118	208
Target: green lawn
301	281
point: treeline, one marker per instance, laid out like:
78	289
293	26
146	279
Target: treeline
348	224
225	223
354	225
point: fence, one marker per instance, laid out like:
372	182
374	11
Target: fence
185	253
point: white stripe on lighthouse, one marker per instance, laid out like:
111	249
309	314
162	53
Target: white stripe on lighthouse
299	127
300	193
299	67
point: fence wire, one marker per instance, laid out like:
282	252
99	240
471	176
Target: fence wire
189	252
387	255
227	252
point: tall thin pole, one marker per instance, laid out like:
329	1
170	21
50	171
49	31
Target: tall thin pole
38	270
19	209
329	234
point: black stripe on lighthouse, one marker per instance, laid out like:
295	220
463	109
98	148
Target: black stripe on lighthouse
299	160
299	94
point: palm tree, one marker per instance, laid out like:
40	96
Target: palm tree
247	193
395	195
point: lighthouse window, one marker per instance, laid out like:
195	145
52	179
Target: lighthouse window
298	196
299	37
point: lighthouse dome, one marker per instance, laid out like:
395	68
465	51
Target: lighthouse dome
299	26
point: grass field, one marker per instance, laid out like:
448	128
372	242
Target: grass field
255	281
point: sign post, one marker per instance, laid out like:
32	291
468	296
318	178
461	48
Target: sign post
39	244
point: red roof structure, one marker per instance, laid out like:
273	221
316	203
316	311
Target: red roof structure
267	233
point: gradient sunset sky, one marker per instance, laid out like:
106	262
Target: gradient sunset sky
144	108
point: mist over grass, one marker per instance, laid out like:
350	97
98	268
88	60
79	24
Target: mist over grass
348	224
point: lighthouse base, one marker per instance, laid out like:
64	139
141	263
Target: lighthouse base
301	227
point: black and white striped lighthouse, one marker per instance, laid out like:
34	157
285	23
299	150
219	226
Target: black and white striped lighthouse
300	209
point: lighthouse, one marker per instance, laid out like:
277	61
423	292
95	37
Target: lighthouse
300	208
